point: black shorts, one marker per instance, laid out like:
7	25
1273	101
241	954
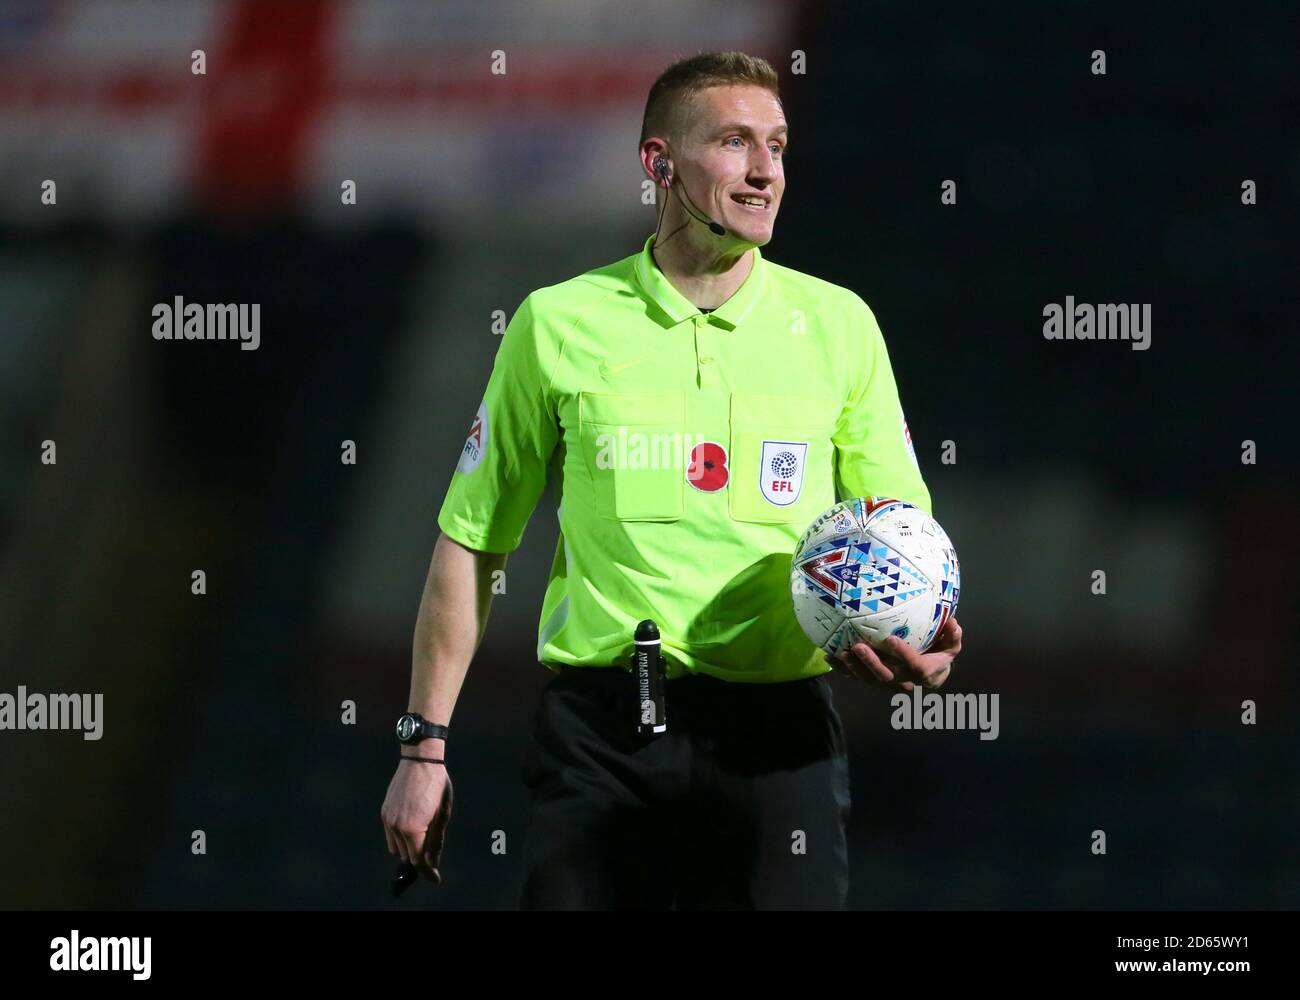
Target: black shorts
741	804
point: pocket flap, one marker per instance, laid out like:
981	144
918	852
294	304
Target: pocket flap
754	410
632	408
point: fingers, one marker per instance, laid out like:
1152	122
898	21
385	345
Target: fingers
432	860
884	666
881	671
840	665
930	669
412	844
846	664
949	640
861	662
392	834
437	838
389	839
954	636
903	658
410	836
906	677
416	841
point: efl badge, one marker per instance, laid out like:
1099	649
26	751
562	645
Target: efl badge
476	442
780	471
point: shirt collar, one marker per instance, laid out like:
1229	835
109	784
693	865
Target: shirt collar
673	306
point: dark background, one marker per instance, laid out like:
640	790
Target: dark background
222	712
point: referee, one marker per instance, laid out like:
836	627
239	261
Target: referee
661	390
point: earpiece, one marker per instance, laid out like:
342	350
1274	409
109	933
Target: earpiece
661	167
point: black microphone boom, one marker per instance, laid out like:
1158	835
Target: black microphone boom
714	228
661	167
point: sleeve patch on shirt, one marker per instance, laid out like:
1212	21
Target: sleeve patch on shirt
476	442
907	437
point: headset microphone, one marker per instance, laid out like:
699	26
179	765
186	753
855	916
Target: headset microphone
661	168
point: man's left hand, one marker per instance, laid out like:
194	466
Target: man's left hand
897	664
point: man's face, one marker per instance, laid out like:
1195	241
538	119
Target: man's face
735	143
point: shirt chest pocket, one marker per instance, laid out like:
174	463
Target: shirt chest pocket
782	459
632	445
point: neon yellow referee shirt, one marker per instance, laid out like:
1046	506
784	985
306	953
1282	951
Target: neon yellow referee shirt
691	450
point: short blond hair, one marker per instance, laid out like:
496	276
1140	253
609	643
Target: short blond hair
671	94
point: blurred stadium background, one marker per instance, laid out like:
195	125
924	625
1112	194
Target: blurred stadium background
222	713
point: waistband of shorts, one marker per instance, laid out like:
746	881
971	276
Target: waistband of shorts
616	674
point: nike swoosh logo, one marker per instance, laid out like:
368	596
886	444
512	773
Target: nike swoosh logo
606	371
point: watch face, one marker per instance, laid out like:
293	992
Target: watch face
405	727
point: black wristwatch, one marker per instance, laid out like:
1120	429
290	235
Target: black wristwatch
412	728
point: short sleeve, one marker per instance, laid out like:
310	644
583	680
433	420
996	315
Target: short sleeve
873	447
503	465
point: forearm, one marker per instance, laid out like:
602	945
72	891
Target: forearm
453	615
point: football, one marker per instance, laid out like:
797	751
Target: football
872	567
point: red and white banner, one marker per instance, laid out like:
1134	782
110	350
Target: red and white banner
448	112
